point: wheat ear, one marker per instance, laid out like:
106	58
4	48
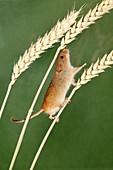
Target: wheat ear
39	47
87	75
44	43
86	20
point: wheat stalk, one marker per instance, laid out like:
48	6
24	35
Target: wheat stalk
93	71
86	20
96	13
39	47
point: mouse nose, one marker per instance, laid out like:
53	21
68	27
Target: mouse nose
66	51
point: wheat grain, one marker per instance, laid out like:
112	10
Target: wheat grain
86	20
42	44
87	75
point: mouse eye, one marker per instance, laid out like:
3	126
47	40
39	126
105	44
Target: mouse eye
62	57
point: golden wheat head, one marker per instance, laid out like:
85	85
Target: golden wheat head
87	20
42	44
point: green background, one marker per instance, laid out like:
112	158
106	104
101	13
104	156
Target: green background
83	139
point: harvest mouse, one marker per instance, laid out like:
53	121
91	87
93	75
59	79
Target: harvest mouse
63	78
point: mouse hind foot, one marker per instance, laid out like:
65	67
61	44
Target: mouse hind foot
53	117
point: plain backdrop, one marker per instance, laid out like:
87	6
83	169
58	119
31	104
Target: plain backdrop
83	139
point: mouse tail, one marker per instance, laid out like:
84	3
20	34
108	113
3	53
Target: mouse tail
23	120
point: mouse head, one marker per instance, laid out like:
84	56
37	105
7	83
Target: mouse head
63	61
